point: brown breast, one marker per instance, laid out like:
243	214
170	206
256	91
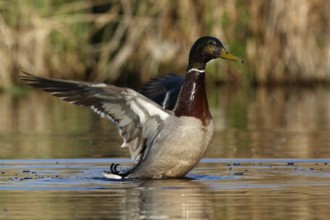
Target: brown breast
192	99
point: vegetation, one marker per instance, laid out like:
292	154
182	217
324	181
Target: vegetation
281	40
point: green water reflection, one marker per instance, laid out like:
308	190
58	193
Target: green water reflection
250	123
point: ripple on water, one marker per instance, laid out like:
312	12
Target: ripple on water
211	189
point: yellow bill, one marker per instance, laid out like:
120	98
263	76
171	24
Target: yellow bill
224	54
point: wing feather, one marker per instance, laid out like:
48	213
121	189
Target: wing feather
164	90
138	119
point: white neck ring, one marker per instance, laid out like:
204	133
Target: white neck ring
196	70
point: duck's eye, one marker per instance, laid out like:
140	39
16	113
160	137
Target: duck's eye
211	43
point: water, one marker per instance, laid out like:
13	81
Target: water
269	159
216	189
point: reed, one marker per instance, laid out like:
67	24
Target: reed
42	38
290	41
282	41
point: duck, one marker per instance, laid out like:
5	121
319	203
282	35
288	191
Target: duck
166	128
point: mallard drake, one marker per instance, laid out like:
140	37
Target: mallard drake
165	139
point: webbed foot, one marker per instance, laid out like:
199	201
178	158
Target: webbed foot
114	172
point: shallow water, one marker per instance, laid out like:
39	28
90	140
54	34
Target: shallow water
269	159
215	189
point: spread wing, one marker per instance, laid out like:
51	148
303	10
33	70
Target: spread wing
137	118
164	90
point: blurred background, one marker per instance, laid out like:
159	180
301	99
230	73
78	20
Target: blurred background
282	41
276	104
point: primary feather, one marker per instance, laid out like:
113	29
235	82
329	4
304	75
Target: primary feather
136	117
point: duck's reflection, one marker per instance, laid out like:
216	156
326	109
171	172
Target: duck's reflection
169	199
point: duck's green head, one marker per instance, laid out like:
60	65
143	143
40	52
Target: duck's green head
206	49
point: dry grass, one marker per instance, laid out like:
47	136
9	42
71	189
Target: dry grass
40	39
281	40
290	41
136	38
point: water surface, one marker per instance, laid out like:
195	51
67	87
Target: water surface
215	189
269	159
